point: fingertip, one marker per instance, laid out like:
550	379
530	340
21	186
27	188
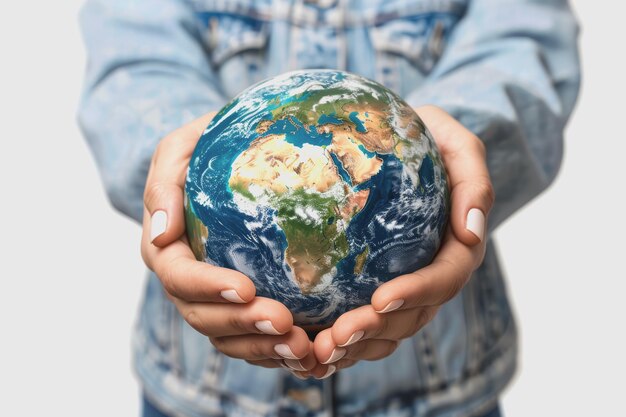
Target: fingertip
158	224
277	313
300	346
163	202
236	286
382	296
323	345
245	287
394	294
165	227
350	327
475	224
232	296
469	226
471	202
321	371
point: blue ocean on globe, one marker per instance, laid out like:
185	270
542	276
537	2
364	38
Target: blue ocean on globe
319	185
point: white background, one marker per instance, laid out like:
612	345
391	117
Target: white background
71	274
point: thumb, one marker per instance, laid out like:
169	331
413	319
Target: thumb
471	202
464	156
164	205
163	195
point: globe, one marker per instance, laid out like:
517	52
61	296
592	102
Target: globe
318	185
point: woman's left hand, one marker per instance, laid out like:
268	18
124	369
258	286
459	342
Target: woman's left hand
405	304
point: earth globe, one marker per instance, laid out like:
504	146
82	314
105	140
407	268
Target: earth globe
319	185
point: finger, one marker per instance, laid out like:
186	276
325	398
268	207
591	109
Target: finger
366	349
344	363
163	194
186	278
306	364
261	315
364	323
321	371
463	155
267	363
434	284
292	347
318	370
371	349
277	363
326	349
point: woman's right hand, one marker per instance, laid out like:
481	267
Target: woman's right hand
218	302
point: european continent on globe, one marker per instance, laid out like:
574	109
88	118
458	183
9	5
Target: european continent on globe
319	185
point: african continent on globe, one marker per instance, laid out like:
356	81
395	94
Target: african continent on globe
319	185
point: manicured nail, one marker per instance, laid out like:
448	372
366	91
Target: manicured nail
331	370
299	375
266	327
393	305
295	373
158	224
232	296
294	364
356	336
337	354
476	223
284	351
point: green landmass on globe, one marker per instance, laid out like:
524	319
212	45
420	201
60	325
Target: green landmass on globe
282	174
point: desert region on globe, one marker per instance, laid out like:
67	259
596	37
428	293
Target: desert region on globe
319	185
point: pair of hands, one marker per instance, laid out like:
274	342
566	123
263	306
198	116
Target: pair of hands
221	303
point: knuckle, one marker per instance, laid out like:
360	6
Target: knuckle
391	347
234	322
153	193
167	142
218	343
488	192
194	320
384	326
257	350
175	142
456	284
425	316
415	324
453	289
355	350
168	279
480	146
421	296
345	363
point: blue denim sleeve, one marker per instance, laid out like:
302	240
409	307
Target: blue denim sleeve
510	73
147	75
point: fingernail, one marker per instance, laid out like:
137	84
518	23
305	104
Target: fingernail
158	224
356	336
393	305
266	327
294	364
337	354
295	373
331	370
476	223
232	296
299	375
284	351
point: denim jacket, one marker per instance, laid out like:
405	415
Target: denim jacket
507	69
